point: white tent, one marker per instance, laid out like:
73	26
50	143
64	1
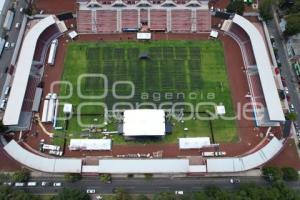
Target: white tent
73	34
90	144
214	34
193	143
144	122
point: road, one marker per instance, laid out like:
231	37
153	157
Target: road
11	37
286	69
143	186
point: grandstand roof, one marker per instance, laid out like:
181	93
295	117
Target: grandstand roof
144	166
55	165
23	67
264	68
144	122
236	164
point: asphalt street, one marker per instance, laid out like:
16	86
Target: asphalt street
141	185
286	69
11	37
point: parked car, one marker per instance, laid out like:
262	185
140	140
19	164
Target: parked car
292	107
178	192
19	184
90	191
2	104
7	183
31	184
17	25
57	184
44	183
7	45
99	197
286	90
234	180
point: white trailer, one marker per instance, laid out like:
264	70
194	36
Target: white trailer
45	110
8	20
51	147
52	52
51	108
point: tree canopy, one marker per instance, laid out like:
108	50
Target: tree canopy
292	116
236	6
74	194
265	9
22	175
7	193
290	174
293	24
70	177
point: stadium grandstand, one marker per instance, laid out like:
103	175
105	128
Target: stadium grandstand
263	91
254	159
181	16
29	71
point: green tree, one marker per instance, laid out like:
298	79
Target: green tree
293	24
265	9
22	175
285	192
4	177
295	8
105	178
142	197
236	6
290	174
3	128
216	193
148	176
72	177
122	194
7	193
164	196
74	194
292	116
272	173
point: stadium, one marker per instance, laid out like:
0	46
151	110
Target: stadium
145	87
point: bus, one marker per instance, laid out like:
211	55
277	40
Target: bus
52	52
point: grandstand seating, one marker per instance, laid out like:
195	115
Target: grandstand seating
107	21
203	21
111	18
256	85
29	94
84	18
181	20
238	31
158	19
130	19
144	15
249	52
44	39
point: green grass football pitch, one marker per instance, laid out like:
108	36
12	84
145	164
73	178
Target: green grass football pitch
172	74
